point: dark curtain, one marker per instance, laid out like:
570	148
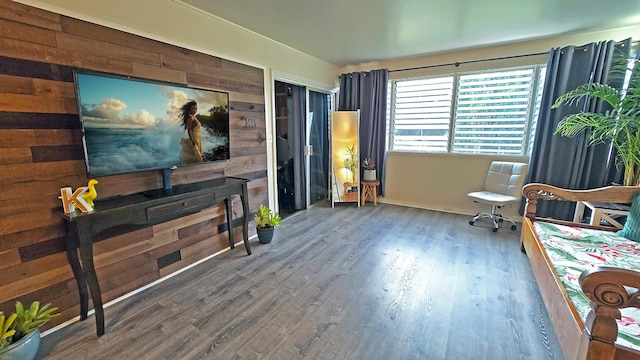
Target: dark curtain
319	139
298	95
367	91
571	162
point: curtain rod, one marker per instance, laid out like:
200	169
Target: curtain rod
456	64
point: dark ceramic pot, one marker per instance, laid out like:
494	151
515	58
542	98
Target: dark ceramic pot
265	234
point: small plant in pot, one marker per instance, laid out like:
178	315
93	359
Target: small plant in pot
19	334
266	222
369	166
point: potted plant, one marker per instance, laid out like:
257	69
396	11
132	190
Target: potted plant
351	161
266	222
369	166
620	125
19	334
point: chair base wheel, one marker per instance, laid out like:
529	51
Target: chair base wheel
496	219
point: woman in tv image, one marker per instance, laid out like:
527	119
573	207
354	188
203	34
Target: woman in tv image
191	151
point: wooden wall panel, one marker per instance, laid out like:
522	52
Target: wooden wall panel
31	236
30	15
41	151
16	30
15	138
82	45
9	258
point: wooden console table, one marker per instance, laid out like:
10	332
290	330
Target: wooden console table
131	212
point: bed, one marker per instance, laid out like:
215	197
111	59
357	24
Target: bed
588	276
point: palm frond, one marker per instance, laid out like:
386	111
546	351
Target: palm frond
606	93
602	126
619	125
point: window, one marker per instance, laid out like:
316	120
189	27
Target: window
488	112
421	110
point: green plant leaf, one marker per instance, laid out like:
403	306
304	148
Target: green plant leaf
265	217
27	320
619	126
5	326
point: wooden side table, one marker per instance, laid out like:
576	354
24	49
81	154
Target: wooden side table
601	211
348	195
370	188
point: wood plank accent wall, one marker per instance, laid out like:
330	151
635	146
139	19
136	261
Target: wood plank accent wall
41	151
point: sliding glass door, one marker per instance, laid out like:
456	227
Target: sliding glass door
318	140
302	146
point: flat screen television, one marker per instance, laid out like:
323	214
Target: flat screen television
132	125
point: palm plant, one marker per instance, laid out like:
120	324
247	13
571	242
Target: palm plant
24	321
620	125
351	162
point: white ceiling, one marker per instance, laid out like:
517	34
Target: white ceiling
350	32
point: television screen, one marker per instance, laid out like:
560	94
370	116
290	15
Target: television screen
134	125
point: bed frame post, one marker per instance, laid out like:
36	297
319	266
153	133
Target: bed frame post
603	331
609	289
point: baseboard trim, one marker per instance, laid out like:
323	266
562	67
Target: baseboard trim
143	288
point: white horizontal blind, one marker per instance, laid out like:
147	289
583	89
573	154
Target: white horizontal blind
389	124
491	112
421	112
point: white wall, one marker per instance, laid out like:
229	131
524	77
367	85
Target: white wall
442	181
511	51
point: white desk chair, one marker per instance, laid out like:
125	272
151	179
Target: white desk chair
503	186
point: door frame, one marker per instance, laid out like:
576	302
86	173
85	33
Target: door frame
272	163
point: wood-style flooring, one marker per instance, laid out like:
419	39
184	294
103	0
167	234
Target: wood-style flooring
385	282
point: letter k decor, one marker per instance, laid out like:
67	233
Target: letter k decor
72	199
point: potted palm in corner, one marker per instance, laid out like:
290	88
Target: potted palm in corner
19	334
266	222
620	125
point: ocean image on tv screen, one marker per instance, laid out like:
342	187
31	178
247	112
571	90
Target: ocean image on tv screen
131	125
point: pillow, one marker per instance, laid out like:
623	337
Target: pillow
631	229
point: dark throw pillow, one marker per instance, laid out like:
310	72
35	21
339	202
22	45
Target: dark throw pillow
631	229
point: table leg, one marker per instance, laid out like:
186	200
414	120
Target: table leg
245	217
86	257
579	212
364	196
229	208
74	262
374	191
596	216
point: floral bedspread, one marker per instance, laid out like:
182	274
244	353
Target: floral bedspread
573	250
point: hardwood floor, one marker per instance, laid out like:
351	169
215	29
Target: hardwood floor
385	282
